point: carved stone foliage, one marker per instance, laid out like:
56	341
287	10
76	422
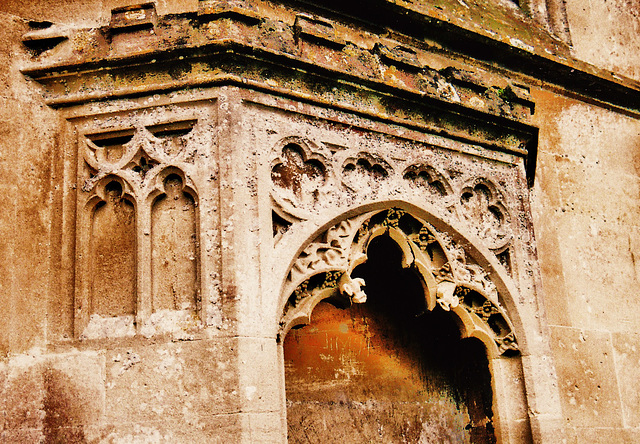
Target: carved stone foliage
138	244
452	281
311	177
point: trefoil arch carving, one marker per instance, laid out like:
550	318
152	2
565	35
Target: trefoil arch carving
481	205
299	173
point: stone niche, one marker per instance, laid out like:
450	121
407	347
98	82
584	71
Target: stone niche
138	230
252	173
399	303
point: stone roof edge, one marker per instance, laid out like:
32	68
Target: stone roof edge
560	69
540	67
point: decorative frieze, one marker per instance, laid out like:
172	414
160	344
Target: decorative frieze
309	178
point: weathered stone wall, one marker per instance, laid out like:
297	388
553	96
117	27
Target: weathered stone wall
586	216
219	384
31	137
585	207
85	13
607	34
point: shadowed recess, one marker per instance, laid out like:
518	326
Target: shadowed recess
113	255
173	258
386	370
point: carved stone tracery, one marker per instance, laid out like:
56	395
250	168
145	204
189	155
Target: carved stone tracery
365	171
137	190
427	177
298	176
309	178
323	270
482	207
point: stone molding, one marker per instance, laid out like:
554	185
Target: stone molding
205	48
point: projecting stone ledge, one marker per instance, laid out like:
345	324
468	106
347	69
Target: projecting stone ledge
141	53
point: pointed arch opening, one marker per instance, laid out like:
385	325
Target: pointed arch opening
389	369
439	306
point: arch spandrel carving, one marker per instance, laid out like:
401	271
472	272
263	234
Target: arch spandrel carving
324	268
300	173
482	207
455	188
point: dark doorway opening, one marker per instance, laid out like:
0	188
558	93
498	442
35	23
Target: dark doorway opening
387	370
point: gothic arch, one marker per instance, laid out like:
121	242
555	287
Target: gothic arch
174	241
457	273
476	291
110	207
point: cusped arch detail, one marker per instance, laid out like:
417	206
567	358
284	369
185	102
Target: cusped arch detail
323	271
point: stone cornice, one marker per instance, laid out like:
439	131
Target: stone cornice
518	44
61	52
308	59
